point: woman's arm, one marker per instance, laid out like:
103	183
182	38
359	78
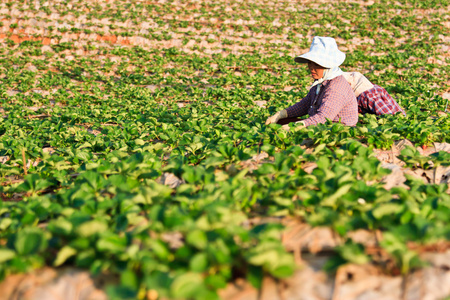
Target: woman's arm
301	108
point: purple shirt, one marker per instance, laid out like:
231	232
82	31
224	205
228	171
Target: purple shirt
335	101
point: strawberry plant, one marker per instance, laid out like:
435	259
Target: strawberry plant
135	146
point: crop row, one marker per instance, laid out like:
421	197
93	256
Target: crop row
132	141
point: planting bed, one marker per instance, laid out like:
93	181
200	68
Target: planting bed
135	163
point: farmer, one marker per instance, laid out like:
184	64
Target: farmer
372	99
330	96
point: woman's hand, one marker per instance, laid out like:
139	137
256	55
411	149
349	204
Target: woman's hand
276	117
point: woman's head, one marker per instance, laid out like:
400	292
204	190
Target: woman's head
316	70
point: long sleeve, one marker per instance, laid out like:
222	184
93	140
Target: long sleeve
301	108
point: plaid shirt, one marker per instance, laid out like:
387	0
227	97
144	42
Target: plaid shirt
378	101
335	101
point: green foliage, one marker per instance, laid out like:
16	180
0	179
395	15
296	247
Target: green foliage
100	132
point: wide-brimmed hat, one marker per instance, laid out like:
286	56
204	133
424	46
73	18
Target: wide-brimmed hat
324	52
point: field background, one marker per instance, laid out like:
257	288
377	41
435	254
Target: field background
135	163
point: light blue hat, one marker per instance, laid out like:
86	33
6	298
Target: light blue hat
324	52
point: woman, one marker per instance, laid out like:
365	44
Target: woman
372	99
330	97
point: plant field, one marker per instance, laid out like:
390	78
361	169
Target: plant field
135	163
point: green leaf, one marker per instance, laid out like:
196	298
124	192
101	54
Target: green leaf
94	179
5	223
6	254
199	262
63	255
60	226
198	239
283	271
255	276
266	257
112	243
139	142
282	201
386	209
341	191
84	156
186	285
216	281
129	279
86	258
85	145
29	241
353	252
160	249
90	228
323	162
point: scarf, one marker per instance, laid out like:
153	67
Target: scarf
328	74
